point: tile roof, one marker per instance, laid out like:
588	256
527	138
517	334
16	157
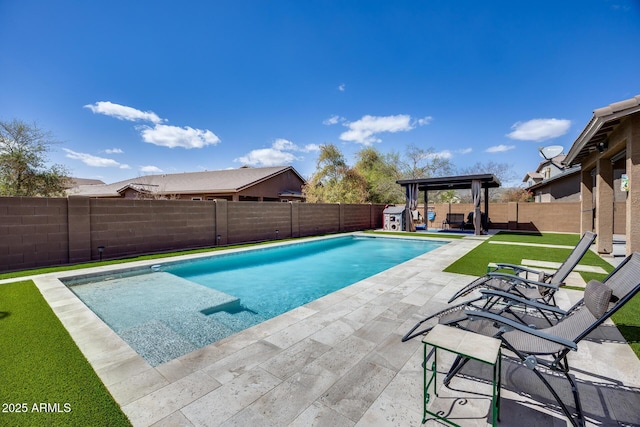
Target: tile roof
532	175
565	173
557	161
603	122
220	181
74	182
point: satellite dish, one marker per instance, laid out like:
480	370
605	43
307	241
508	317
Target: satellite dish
550	152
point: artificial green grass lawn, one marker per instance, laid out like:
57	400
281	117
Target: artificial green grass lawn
476	261
43	374
540	238
40	363
627	319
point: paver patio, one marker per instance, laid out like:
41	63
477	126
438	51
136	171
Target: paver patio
337	361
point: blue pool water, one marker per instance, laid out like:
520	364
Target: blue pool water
176	308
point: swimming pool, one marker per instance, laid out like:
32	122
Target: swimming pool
172	309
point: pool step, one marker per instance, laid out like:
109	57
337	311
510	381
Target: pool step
159	341
238	320
232	306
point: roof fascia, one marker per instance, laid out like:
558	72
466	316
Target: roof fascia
265	178
568	172
594	125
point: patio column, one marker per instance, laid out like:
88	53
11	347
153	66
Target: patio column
586	202
604	206
633	196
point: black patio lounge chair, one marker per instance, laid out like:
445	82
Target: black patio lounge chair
547	348
506	291
542	288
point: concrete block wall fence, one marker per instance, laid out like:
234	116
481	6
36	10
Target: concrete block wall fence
39	232
555	217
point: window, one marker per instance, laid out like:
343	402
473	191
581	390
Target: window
196	198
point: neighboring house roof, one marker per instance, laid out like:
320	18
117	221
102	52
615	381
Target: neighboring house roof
75	182
536	176
220	181
557	161
564	174
603	122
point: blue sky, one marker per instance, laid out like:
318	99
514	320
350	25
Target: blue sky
131	88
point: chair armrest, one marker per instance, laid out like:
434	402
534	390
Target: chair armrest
516	267
521	280
490	293
520	327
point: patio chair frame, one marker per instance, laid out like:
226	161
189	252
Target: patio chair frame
558	361
511	292
546	284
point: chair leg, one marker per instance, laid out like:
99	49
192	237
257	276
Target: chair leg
576	423
576	399
456	366
565	370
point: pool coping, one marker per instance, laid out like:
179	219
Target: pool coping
191	390
74	278
114	361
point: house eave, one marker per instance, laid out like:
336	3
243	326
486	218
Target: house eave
603	122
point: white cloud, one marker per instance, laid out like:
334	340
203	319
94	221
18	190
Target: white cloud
342	87
174	136
364	131
113	151
122	112
150	169
280	153
539	129
444	154
91	160
424	121
465	150
267	157
333	120
284	144
499	148
159	134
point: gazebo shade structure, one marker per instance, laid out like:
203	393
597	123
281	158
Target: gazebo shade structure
459	182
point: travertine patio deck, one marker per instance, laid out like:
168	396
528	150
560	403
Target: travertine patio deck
337	361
